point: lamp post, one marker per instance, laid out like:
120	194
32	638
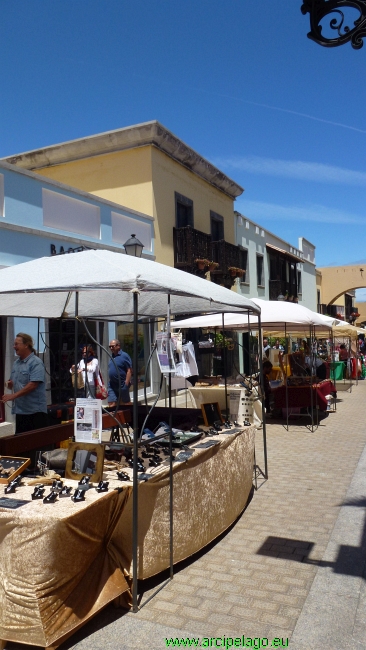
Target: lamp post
347	27
133	246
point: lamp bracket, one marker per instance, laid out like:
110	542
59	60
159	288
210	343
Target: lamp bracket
347	29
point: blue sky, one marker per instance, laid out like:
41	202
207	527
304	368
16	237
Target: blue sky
239	81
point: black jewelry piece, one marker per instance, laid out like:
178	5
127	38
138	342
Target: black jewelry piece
38	492
10	489
66	491
85	480
51	497
246	423
79	495
122	476
102	486
57	486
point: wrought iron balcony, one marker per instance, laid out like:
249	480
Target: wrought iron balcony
281	288
191	245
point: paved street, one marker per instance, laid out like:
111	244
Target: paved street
290	567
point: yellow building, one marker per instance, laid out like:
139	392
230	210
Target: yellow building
148	169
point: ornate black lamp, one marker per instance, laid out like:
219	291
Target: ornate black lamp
347	29
133	246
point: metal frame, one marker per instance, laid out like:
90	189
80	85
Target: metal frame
332	11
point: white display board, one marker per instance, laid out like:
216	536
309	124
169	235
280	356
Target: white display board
88	420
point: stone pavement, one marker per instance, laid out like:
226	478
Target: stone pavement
292	566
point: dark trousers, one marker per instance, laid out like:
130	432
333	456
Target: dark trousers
30	422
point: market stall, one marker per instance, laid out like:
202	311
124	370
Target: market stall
110	286
277	318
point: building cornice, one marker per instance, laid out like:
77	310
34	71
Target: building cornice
139	135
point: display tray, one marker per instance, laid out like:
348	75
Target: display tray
13	465
184	438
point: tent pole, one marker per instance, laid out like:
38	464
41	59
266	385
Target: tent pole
262	390
286	385
135	456
76	345
171	546
225	364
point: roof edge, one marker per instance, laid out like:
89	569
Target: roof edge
138	135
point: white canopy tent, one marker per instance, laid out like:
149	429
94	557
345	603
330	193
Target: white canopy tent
100	284
274	315
105	282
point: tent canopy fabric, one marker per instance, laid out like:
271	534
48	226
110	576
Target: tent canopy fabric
275	315
105	281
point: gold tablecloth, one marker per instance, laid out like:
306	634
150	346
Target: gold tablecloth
210	490
62	563
56	569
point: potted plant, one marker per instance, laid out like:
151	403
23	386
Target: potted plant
232	270
240	273
212	266
201	262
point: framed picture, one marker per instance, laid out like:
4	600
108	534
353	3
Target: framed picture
211	413
11	467
85	459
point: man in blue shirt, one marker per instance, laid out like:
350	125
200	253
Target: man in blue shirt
122	377
28	381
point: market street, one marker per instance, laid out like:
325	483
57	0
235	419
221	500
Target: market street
291	566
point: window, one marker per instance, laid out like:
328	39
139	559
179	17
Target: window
217	226
273	268
66	213
243	252
123	227
260	274
299	282
183	211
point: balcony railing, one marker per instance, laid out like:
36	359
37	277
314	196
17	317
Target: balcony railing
189	245
281	287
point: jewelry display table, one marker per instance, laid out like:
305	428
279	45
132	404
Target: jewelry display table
63	562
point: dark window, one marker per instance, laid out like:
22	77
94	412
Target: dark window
183	211
260	278
273	273
244	261
217	226
299	282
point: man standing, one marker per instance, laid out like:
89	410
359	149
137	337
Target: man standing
28	381
266	347
122	377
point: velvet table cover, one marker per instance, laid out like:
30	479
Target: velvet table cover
56	570
61	563
210	490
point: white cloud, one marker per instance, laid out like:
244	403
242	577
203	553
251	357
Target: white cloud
304	171
258	210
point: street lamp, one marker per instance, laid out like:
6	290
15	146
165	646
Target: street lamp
333	13
133	246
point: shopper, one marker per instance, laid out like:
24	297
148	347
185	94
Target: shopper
120	376
28	382
92	371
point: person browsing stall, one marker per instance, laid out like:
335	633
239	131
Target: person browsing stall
92	370
120	376
28	381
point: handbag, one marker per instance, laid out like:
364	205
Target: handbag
79	379
100	390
